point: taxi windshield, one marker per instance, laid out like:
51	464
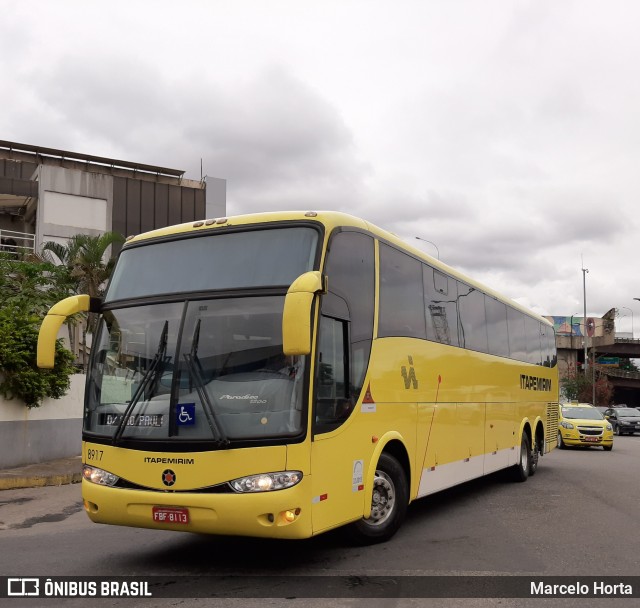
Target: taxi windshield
581	413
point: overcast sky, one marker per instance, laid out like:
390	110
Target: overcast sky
505	132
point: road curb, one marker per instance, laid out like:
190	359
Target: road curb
54	473
14	483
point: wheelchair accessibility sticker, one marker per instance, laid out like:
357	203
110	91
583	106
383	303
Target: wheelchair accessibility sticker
186	414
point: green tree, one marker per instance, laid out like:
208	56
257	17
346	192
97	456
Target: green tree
28	288
19	375
87	269
628	365
30	283
578	387
84	257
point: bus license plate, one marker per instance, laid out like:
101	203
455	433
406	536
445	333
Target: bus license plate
171	515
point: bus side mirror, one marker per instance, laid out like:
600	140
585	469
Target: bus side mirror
296	318
53	321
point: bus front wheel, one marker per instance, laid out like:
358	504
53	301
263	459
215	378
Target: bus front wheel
389	501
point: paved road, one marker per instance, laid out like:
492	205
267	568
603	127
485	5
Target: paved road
579	515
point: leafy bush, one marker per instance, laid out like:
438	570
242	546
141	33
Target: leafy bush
28	288
20	378
578	387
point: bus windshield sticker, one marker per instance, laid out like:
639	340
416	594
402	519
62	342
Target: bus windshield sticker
186	414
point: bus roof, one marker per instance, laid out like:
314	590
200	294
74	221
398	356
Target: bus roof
330	220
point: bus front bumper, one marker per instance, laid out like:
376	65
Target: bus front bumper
279	514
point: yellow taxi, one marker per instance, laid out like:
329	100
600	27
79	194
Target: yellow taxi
583	424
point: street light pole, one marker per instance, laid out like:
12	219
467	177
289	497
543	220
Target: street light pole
593	380
631	311
632	317
425	240
586	335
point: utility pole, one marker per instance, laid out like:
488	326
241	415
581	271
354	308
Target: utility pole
586	335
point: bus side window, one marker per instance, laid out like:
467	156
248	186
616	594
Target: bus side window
401	295
497	331
333	402
533	333
517	335
346	327
549	338
473	320
440	306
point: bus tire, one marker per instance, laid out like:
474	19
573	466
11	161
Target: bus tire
389	502
520	471
534	458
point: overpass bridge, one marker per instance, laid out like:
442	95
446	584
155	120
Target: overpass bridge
602	340
625	383
621	347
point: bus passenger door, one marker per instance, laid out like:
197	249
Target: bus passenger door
340	449
337	456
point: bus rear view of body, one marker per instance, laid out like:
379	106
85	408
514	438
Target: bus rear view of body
283	374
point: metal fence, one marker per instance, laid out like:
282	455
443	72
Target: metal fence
14	242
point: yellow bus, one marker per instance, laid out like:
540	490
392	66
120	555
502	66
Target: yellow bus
284	374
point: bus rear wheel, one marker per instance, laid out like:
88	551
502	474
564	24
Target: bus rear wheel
389	501
535	457
520	471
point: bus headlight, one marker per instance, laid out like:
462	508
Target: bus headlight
95	475
266	482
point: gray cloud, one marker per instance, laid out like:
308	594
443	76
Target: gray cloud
509	137
276	140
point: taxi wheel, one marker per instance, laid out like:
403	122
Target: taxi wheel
389	501
561	444
607	448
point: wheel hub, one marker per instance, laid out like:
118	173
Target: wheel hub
383	498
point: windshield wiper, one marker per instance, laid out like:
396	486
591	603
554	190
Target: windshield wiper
195	370
150	377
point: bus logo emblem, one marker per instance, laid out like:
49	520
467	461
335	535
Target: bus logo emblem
410	380
168	477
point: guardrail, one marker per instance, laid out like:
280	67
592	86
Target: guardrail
619	373
13	242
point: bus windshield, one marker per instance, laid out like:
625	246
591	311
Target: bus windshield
202	370
210	261
179	357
